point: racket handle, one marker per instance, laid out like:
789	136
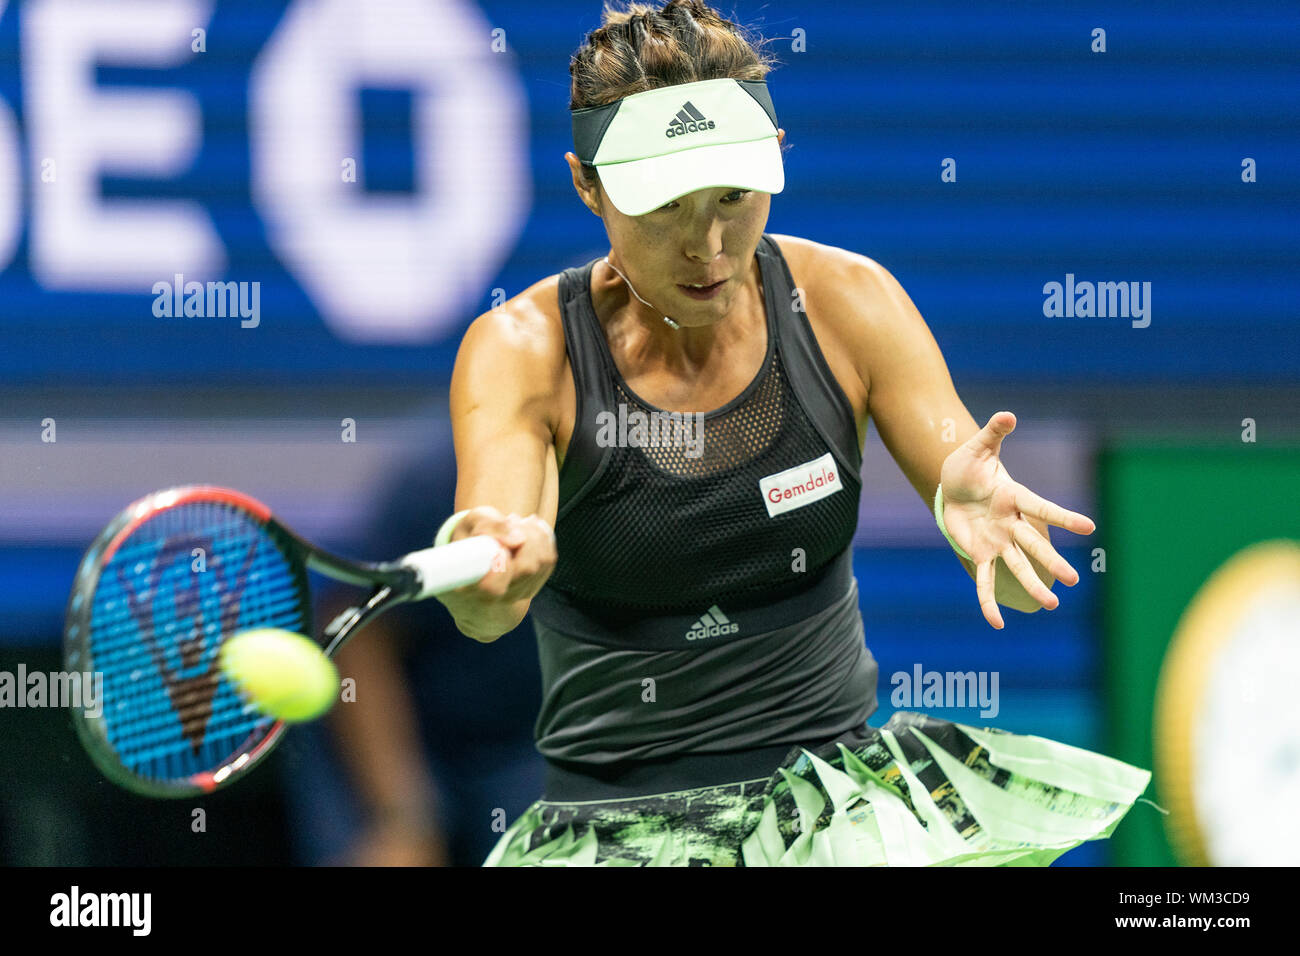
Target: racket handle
453	565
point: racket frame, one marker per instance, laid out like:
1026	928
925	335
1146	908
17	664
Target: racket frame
391	582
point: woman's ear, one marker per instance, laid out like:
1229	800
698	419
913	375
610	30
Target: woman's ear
588	190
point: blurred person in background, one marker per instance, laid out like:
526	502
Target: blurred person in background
436	751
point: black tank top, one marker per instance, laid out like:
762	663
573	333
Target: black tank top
677	555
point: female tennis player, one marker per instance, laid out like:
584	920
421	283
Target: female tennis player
687	413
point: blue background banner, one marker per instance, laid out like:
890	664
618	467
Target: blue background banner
387	171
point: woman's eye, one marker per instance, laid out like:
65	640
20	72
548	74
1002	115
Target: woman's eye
733	197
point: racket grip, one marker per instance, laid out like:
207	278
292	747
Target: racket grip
453	565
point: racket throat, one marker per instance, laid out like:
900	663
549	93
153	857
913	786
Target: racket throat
347	621
343	622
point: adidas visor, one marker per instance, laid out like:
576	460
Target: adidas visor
653	147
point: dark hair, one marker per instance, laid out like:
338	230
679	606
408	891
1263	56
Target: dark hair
639	48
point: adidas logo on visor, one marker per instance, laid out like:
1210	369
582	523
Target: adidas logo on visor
688	120
712	623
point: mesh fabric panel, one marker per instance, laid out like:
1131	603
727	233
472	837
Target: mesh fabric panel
662	532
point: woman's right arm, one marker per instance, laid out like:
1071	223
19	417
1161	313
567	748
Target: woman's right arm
505	392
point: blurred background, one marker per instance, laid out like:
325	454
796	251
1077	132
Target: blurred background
373	175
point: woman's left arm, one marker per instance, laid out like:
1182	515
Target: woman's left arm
933	438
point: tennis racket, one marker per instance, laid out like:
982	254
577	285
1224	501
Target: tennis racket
162	588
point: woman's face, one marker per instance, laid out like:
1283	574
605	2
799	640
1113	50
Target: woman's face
708	236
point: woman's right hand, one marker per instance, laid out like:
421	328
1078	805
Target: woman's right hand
499	602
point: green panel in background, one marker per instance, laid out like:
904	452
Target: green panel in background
1168	516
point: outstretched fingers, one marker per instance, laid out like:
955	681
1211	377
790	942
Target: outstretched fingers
1041	550
1028	578
1028	503
984	592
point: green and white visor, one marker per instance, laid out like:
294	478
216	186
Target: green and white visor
653	147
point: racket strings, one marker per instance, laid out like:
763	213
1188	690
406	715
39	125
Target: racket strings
139	557
160	614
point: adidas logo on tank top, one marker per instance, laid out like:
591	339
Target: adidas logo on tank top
712	623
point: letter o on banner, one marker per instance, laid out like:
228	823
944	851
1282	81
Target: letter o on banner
401	269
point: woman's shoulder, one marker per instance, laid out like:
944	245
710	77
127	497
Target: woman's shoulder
822	266
529	319
849	298
847	291
523	336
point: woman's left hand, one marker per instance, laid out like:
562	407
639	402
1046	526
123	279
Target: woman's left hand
985	511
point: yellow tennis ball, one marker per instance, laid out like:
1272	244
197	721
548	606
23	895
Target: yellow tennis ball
282	673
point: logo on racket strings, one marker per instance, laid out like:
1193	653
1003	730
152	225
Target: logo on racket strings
191	694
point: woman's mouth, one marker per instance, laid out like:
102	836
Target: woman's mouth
702	292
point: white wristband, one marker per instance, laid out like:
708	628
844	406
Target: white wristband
444	533
938	517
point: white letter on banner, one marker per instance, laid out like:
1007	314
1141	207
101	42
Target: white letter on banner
79	240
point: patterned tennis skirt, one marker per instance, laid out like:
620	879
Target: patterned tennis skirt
918	791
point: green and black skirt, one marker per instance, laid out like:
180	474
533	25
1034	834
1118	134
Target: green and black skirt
918	791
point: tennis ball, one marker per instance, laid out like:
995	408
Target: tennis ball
281	673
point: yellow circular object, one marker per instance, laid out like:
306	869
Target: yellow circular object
281	673
1227	741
